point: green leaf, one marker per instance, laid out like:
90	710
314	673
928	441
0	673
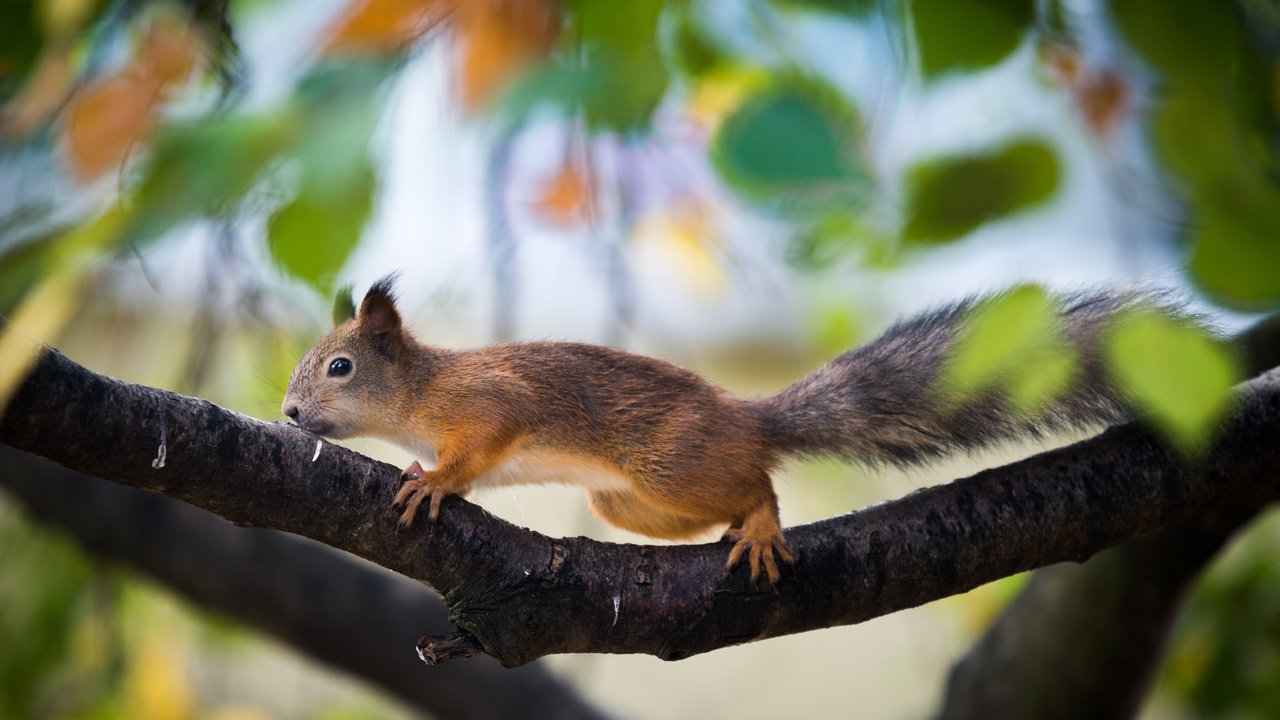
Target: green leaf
201	168
613	75
1236	250
1198	140
1011	343
344	305
312	236
795	143
1047	373
836	327
850	8
836	234
1214	130
610	90
1170	368
782	139
1190	40
21	268
340	102
631	25
950	197
693	51
968	34
19	44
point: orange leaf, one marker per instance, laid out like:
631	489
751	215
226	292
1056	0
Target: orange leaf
104	120
1104	99
498	39
1101	94
567	197
45	89
379	27
1062	62
168	51
107	117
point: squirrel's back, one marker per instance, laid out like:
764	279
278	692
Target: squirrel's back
882	402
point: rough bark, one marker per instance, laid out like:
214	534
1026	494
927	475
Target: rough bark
513	589
1085	640
335	608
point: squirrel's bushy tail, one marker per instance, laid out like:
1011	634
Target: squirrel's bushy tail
881	403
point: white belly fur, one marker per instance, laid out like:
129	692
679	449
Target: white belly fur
546	467
534	466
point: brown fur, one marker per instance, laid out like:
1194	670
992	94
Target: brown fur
677	454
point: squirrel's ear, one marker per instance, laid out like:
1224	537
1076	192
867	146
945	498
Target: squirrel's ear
378	314
344	307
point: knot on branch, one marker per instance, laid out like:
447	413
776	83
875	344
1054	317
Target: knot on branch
435	649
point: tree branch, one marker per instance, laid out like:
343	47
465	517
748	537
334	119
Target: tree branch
513	589
1085	640
343	611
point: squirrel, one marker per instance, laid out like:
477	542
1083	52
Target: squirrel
661	451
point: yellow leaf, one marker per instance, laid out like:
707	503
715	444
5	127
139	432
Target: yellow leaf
45	312
686	239
157	686
720	93
41	318
61	18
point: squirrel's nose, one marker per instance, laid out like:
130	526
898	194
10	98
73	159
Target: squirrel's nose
290	410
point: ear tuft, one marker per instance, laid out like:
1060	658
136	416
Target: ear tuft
344	306
378	314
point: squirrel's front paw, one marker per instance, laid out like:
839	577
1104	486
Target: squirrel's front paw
759	550
416	491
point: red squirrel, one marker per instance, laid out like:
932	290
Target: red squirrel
661	451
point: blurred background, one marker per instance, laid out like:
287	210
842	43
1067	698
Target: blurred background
744	187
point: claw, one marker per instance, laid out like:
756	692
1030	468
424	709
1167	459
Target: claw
759	553
418	494
434	510
406	520
405	491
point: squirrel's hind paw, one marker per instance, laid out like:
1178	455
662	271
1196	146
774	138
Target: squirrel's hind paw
759	552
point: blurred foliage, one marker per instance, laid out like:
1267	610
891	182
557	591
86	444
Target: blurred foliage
795	146
1012	342
82	640
992	29
1185	398
852	8
1215	127
782	135
61	640
1224	660
953	196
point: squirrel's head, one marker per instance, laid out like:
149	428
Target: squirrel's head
353	381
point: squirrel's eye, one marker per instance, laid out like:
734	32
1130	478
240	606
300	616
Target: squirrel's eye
339	367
